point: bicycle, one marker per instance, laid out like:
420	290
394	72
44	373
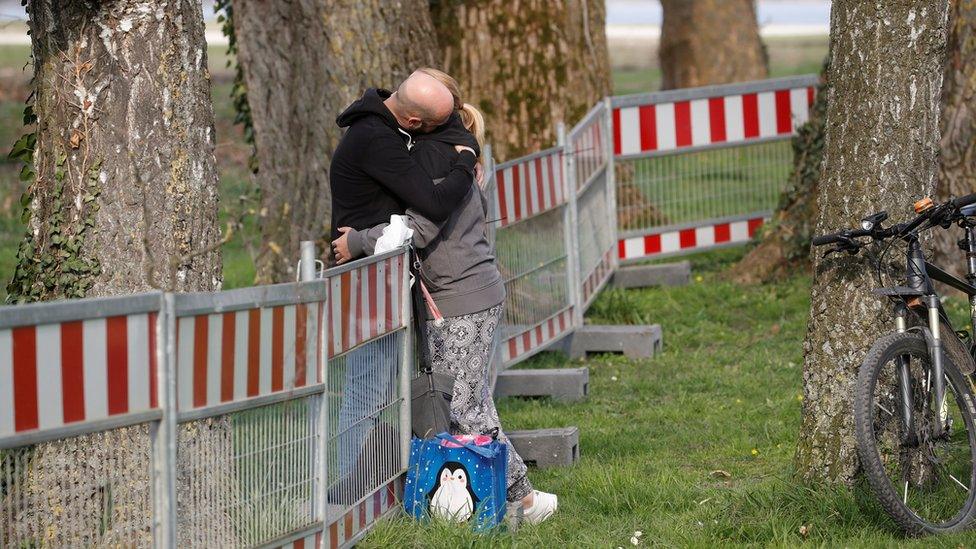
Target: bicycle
914	413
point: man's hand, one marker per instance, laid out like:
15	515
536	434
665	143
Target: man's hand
340	246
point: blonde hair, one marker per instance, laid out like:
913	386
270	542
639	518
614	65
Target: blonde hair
471	117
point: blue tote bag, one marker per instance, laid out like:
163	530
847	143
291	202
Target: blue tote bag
457	479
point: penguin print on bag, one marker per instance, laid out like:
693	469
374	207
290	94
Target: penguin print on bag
451	496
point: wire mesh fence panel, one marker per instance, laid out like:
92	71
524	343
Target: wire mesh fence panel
92	490
702	167
247	478
695	186
588	147
532	259
594	233
594	212
364	403
530	205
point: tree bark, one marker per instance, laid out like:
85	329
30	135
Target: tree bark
526	64
784	245
123	199
303	62
881	152
705	42
125	193
957	167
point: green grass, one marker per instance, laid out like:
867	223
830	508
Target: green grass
693	448
787	56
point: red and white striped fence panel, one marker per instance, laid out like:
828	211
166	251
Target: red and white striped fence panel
688	239
523	344
597	278
231	356
712	116
359	518
61	373
365	303
589	149
529	187
225	357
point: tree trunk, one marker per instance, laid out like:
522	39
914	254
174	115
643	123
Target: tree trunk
123	199
881	152
957	168
526	64
784	246
302	63
705	42
125	193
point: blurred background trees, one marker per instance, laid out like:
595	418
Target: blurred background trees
526	67
706	42
957	164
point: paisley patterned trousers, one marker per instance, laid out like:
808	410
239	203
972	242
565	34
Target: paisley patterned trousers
462	347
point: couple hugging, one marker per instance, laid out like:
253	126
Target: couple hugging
415	152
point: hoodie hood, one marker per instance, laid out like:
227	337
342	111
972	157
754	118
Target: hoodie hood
370	104
451	132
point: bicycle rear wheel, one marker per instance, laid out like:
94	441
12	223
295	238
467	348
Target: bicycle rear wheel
926	483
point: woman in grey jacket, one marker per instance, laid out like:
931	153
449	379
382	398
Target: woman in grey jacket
460	272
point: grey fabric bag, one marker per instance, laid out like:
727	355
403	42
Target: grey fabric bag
430	392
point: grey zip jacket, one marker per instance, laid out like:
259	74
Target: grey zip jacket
457	264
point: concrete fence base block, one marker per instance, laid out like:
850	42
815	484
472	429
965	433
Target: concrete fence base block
565	384
663	274
632	341
547	447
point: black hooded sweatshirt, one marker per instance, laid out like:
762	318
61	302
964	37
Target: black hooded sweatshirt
373	176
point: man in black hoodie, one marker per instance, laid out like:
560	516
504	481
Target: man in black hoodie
372	174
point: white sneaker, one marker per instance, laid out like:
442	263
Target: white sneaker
543	506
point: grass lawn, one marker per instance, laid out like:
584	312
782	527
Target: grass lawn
692	447
788	55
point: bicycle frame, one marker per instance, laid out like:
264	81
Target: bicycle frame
920	291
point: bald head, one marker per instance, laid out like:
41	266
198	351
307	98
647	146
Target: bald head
423	102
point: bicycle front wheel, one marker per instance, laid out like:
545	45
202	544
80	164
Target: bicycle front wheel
924	479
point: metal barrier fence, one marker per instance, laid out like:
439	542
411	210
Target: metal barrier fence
703	167
554	235
532	204
267	416
592	178
277	416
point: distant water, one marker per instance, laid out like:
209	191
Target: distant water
770	12
619	12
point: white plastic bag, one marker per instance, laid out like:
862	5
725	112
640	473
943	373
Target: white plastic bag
394	235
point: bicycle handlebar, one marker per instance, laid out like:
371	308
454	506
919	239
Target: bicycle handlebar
846	236
842	236
964	201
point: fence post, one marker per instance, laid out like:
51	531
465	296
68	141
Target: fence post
611	181
306	262
163	433
406	361
570	222
321	462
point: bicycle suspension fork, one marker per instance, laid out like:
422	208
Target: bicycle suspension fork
905	381
937	380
